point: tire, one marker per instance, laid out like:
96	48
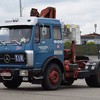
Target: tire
13	84
94	80
67	82
52	77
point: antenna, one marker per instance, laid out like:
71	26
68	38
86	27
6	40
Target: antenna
95	26
20	6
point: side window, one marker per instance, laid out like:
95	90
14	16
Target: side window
39	30
56	33
37	34
46	32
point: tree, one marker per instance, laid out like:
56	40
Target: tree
90	43
67	44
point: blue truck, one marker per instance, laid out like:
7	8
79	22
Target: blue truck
32	50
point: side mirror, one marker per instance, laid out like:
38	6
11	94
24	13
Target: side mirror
44	32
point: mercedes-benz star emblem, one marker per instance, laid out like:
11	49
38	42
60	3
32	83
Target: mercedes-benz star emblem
7	58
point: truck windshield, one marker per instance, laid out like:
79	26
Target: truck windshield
15	34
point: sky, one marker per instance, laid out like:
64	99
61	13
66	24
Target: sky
84	13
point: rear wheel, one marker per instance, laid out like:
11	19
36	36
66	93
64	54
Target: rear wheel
14	83
52	77
94	80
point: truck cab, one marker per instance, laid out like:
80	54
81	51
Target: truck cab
27	46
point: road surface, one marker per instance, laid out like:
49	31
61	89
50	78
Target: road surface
27	91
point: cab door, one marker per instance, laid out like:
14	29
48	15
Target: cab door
43	48
58	42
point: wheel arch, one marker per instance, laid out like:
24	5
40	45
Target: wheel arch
55	60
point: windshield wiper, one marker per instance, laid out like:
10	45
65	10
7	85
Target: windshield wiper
2	42
16	42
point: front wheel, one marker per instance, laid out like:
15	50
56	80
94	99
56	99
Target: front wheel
12	84
52	77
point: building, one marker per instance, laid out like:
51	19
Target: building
72	32
93	37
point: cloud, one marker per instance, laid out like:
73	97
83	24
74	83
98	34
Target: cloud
82	12
10	5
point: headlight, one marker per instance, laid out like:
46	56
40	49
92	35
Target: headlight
23	73
19	58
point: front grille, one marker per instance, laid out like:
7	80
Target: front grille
10	58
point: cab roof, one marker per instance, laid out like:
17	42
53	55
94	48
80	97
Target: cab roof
26	21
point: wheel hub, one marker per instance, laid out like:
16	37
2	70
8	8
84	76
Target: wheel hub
54	77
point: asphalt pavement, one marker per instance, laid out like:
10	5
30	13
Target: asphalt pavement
78	91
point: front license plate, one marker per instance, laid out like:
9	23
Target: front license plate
5	74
